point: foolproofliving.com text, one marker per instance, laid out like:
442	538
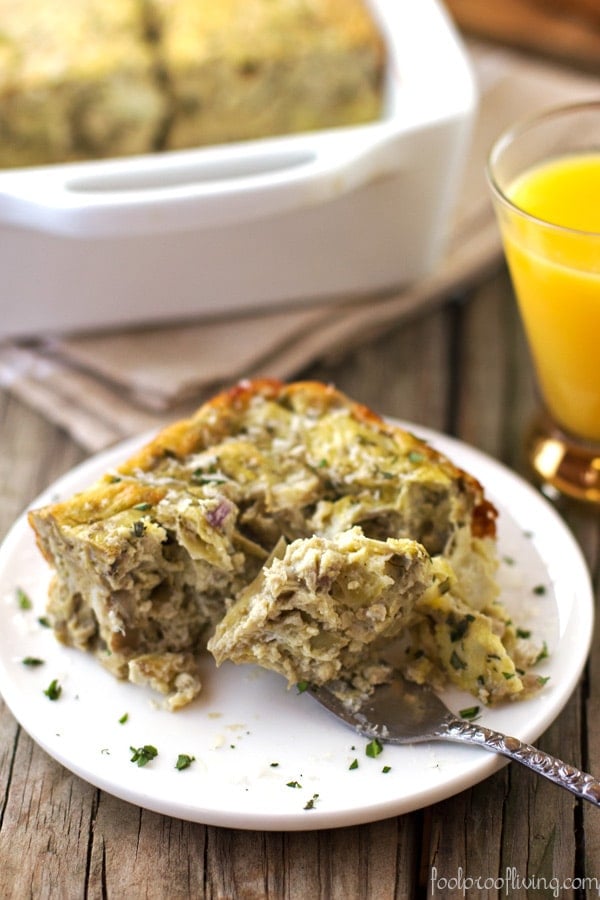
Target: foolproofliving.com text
511	882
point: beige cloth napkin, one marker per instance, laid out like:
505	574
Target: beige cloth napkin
105	387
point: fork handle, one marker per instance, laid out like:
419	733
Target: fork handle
561	773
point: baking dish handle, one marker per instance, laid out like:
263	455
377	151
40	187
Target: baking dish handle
194	189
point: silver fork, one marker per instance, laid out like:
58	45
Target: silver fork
405	713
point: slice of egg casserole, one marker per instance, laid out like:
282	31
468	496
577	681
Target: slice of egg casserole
288	526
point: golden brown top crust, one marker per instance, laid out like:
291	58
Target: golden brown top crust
221	415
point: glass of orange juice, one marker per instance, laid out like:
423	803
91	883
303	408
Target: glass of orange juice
544	175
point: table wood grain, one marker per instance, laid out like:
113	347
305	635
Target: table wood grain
463	369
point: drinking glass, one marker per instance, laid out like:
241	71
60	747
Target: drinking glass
544	175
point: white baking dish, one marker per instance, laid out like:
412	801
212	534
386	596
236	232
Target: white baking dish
306	218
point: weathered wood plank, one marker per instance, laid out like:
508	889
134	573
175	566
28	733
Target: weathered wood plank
586	527
496	396
136	853
45	827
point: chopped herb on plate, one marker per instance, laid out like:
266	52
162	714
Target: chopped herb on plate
23	599
54	690
374	748
143	755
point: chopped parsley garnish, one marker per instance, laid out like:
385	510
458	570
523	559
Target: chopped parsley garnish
310	804
470	712
202	476
44	621
460	628
32	661
184	761
542	680
54	690
143	506
386	769
523	633
374	748
543	654
539	589
353	764
23	599
293	784
302	686
456	662
273	765
508	675
415	457
143	755
123	718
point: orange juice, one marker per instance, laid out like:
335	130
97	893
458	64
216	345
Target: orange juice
556	275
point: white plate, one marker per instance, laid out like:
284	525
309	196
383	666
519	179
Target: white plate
250	736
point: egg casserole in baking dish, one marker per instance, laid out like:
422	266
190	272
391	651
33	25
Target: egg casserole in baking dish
97	78
287	526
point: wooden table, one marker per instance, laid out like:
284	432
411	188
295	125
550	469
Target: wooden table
463	369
